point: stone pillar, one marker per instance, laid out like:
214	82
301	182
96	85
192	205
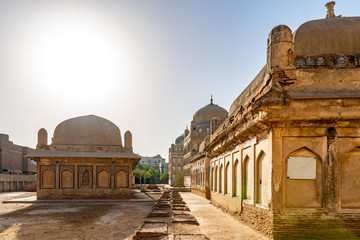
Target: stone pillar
57	177
42	138
38	178
280	48
94	177
330	13
76	176
130	175
331	170
128	141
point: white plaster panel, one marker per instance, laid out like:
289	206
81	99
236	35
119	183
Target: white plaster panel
301	168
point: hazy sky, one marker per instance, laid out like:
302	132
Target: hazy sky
147	65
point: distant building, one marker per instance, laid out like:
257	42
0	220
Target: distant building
13	166
164	167
157	162
12	160
176	161
206	118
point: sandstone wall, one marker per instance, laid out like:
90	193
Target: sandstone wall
10	182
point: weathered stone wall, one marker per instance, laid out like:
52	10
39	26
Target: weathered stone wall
225	202
111	193
84	178
10	182
305	224
12	157
254	216
257	217
198	191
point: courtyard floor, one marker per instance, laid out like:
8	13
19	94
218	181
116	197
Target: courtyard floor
22	217
215	224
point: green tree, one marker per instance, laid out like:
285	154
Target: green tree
136	173
140	171
164	178
146	176
179	180
154	174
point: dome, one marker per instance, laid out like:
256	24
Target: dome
179	139
208	112
340	35
87	130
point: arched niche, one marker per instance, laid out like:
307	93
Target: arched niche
349	175
216	179
103	179
263	179
85	178
303	179
220	178
236	178
48	178
121	179
227	185
212	179
248	179
66	179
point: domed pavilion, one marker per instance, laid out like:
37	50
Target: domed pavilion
86	159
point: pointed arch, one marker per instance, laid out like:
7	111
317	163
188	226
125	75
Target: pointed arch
302	151
216	178
227	183
48	178
66	178
247	173
263	179
307	165
236	179
122	179
85	178
220	178
104	179
212	179
349	176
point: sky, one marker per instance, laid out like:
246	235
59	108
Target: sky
145	65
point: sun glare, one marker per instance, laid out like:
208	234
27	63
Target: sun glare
76	60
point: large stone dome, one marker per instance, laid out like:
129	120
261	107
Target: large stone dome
208	112
340	35
87	130
179	139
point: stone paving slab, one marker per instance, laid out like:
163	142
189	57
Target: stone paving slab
159	213
190	237
158	219
183	228
150	230
214	223
154	228
184	218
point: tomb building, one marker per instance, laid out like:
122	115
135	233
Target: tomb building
86	159
200	127
287	160
176	161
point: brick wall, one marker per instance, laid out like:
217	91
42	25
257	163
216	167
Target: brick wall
302	224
